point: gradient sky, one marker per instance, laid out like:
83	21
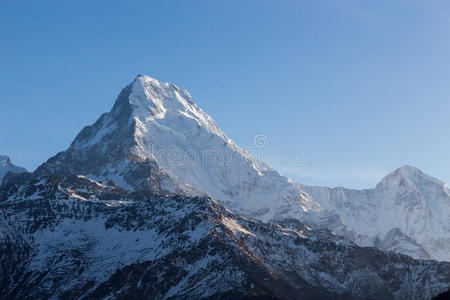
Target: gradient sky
358	87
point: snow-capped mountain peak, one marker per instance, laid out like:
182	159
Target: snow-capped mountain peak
407	200
158	122
186	142
408	176
410	188
169	108
154	98
6	166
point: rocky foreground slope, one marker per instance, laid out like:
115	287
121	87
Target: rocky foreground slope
71	237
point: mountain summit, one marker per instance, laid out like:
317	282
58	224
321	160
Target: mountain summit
407	212
158	124
408	176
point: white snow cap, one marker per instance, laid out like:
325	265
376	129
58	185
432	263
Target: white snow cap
408	175
186	142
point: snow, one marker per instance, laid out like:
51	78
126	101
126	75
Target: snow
159	122
190	146
234	226
110	248
114	175
407	199
204	287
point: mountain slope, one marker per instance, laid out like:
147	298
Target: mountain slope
408	212
6	166
158	123
71	237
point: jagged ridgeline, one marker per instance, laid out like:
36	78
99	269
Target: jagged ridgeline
118	216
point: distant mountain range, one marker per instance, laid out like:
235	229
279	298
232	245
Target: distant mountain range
154	201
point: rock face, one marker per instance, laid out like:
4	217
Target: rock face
125	212
6	166
407	212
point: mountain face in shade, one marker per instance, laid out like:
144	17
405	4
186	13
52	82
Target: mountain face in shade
407	212
153	201
6	166
156	123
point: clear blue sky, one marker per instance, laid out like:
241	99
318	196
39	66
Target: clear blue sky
360	87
